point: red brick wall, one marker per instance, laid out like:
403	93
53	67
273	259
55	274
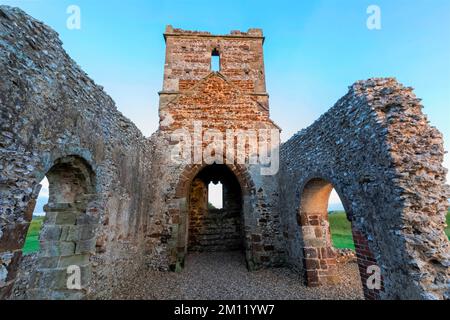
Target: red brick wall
220	105
365	259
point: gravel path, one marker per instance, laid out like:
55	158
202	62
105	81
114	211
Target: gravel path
220	276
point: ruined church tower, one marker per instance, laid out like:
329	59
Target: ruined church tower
190	56
214	87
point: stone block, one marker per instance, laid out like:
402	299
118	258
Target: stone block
66	217
86	219
78	259
56	248
312	264
50	232
47	262
56	278
85	246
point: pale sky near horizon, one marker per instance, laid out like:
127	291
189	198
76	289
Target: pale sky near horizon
313	50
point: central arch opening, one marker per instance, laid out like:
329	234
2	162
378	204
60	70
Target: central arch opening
215	211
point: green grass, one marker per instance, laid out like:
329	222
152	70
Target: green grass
341	232
32	240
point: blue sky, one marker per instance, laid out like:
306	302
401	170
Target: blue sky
313	51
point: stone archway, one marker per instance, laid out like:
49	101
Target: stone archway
215	229
377	148
67	238
319	255
237	177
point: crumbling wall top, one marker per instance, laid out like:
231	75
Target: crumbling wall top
251	33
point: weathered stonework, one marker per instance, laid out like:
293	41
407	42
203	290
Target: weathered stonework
233	98
215	229
55	121
120	203
376	148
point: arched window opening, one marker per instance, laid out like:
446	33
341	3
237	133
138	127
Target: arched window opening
215	195
340	226
32	239
215	60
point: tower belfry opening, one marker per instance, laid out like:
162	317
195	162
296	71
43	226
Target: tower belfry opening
215	60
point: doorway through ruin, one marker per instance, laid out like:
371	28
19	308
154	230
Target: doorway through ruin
67	235
320	255
215	228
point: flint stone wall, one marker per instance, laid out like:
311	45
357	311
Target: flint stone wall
376	147
50	109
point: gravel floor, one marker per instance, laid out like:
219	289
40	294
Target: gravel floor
217	276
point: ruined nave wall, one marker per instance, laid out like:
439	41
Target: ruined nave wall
377	149
53	116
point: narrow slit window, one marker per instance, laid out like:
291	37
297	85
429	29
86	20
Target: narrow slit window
215	60
215	195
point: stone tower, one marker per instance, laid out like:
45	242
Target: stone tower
228	103
189	55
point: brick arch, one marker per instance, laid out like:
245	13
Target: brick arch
180	210
191	171
319	255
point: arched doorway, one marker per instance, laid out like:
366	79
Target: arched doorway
190	234
319	254
67	238
215	228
